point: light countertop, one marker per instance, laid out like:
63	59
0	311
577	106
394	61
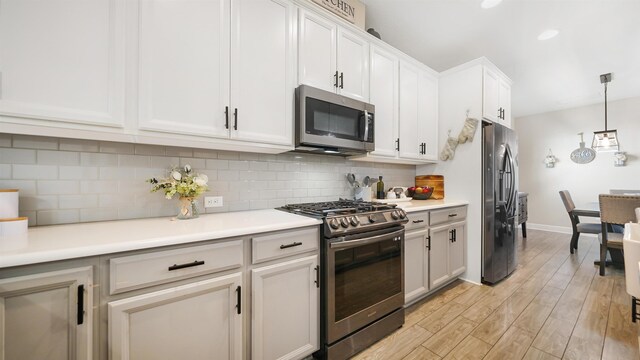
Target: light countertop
60	242
423	205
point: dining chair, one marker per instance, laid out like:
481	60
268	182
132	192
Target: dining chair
576	225
614	210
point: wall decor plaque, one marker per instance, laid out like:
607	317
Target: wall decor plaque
582	155
350	10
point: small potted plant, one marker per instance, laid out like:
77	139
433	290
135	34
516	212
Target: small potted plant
185	183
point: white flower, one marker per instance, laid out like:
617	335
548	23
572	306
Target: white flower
176	175
187	168
201	180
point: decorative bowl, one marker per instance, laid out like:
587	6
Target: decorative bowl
424	195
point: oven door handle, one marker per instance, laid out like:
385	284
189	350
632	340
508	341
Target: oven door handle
353	243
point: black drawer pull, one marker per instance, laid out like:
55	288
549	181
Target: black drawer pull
290	245
187	265
453	215
80	306
239	300
317	281
418	221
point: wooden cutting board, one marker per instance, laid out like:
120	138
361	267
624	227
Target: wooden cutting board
434	181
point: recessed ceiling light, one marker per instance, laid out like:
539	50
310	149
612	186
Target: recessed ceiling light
488	4
548	34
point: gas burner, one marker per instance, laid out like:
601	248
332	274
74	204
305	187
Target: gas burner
340	207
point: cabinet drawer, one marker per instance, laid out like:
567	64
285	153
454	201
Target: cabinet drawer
144	270
279	245
446	215
417	220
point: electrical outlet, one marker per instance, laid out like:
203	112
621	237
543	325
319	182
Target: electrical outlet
212	201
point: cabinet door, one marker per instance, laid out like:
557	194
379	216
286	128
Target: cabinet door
39	316
490	101
353	65
285	309
416	264
63	60
504	96
439	255
409	96
194	321
263	70
457	250
317	51
183	68
428	115
384	96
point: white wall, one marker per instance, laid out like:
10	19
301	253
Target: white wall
557	130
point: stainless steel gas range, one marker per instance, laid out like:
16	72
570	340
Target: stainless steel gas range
362	282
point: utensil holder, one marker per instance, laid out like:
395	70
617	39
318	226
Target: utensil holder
363	193
8	203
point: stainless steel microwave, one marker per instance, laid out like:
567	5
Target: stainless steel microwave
333	124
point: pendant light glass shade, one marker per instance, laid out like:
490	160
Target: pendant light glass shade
606	140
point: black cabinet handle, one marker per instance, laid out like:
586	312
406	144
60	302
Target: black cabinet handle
290	245
417	221
226	117
398	144
453	215
317	281
429	242
80	304
341	80
239	299
451	235
187	265
235	119
335	79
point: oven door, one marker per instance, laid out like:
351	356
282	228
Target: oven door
329	120
365	280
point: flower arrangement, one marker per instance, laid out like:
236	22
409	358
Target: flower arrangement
181	181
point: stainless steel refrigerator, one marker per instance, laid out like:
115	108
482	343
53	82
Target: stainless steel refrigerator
500	202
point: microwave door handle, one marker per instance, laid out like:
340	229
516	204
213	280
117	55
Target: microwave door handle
365	136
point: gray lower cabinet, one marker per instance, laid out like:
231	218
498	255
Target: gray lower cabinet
47	315
199	320
435	250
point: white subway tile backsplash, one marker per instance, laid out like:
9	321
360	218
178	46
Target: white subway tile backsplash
53	217
35	142
95	159
5	171
57	187
50	157
116	147
93	181
17	156
36	172
79	145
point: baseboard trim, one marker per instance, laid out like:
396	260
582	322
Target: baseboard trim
556	229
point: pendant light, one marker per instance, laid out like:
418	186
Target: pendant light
606	140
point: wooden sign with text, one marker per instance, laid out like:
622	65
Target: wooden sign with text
350	10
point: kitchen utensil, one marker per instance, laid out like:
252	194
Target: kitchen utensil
351	178
366	181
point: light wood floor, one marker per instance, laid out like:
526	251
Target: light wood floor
554	306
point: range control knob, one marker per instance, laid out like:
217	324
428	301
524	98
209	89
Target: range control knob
402	214
355	221
394	215
334	223
344	222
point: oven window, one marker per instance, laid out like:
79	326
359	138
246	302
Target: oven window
328	119
366	275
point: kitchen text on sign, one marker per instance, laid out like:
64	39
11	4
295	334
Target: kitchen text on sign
340	7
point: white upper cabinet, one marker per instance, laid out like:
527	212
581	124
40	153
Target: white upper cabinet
332	58
418	96
63	60
234	78
490	101
263	70
184	85
504	101
384	96
317	51
353	65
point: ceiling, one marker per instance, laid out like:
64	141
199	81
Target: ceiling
596	37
